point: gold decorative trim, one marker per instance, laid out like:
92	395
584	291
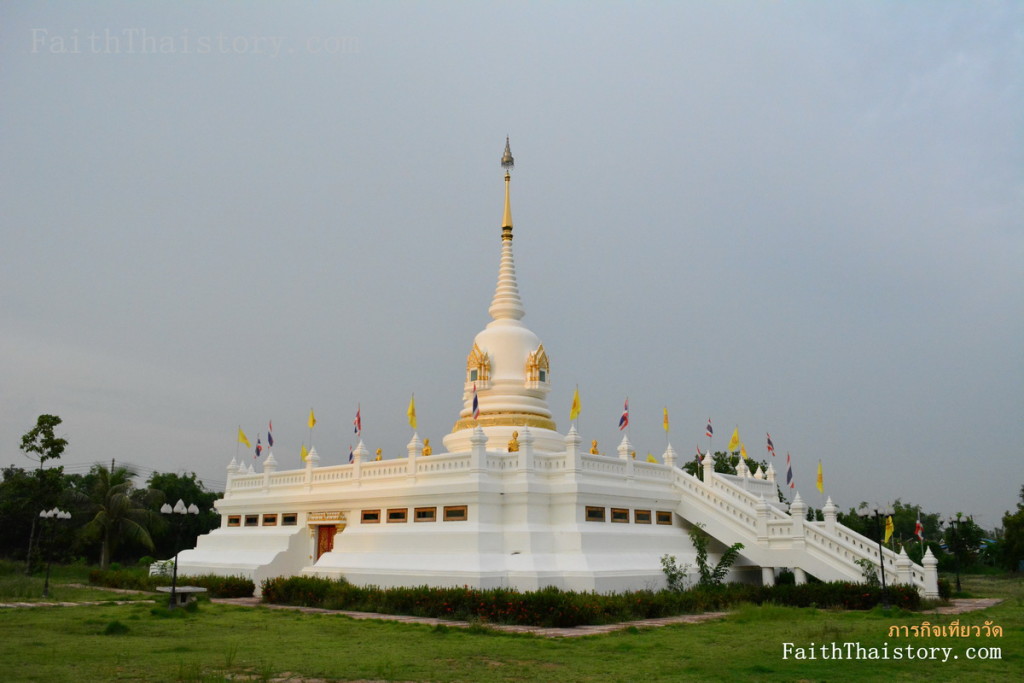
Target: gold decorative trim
479	361
535	362
506	420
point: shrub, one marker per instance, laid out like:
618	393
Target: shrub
224	586
115	628
675	576
137	579
553	607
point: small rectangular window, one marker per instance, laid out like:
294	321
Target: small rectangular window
269	520
398	515
473	375
620	515
252	520
543	376
426	514
371	516
234	520
641	516
595	514
455	513
289	519
664	517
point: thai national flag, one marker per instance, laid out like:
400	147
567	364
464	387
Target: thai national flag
709	432
270	437
351	456
624	420
476	405
771	446
789	473
358	422
919	530
259	448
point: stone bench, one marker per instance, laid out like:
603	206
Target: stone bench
182	594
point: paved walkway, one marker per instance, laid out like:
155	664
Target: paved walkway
535	630
957	606
961	605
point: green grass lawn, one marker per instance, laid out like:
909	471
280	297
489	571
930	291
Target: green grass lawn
141	642
68	583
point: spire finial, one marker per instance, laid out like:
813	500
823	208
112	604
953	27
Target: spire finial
507	162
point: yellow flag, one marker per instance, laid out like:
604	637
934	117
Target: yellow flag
304	453
651	458
574	410
411	412
821	479
743	451
242	438
664	420
889	528
312	419
734	440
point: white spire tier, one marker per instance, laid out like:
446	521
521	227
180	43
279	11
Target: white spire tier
506	304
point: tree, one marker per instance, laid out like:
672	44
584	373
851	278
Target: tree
725	463
119	512
712	576
171	488
42	444
963	539
20	505
1013	537
904	519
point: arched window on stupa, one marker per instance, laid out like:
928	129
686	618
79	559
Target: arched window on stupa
478	368
538	369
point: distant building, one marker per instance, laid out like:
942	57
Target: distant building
513	502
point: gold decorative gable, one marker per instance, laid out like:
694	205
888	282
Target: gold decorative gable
537	366
478	366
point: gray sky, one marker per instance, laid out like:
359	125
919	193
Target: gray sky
800	218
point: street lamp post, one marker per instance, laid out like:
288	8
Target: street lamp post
954	544
178	509
879	514
55	513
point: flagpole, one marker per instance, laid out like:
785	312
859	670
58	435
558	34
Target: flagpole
576	422
237	441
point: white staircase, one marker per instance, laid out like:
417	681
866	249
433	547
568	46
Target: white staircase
774	538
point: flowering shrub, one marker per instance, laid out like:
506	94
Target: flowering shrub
553	607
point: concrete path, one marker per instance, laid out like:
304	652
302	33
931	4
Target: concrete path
958	606
535	630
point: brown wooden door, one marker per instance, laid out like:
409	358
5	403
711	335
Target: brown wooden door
325	539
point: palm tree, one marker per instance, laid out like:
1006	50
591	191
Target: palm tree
118	508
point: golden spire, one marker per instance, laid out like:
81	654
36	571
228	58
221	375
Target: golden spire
507	162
